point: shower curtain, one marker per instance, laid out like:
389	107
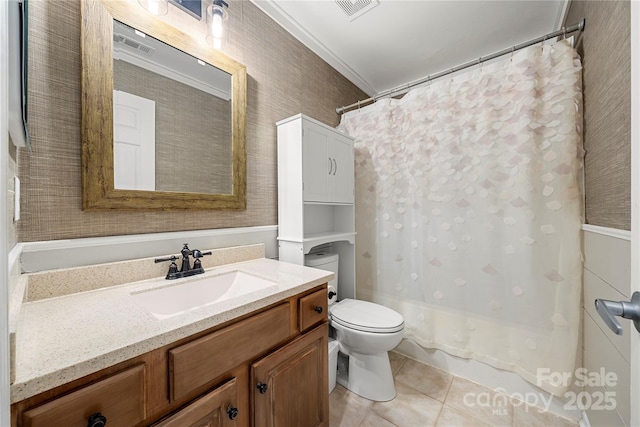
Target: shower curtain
468	211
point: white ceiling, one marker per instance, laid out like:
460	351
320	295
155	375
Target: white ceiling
400	41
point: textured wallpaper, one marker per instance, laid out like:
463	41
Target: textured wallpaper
605	50
284	78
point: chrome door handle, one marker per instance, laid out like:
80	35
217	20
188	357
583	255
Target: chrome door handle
625	309
330	166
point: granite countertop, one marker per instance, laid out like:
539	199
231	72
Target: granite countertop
64	338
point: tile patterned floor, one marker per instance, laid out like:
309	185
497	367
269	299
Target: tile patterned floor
429	397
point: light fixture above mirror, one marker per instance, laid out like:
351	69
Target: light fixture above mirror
217	18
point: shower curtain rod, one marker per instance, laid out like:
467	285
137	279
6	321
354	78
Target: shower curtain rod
562	32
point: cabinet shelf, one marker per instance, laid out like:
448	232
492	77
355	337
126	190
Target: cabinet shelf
315	239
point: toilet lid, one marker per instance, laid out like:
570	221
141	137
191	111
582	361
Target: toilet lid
366	316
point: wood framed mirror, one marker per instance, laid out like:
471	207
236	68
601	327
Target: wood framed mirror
100	191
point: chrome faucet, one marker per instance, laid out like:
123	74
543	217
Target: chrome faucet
186	269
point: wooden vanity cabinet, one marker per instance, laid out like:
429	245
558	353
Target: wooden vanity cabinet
290	387
208	379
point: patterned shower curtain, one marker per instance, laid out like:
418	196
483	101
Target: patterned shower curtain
468	211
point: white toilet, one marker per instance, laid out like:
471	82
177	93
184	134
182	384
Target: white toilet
365	333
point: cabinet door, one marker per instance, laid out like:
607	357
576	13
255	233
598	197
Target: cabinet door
316	163
341	152
215	409
290	386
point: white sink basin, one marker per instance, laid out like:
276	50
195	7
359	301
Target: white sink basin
182	296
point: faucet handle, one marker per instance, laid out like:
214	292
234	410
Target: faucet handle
197	253
172	258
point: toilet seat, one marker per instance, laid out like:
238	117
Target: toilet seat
366	316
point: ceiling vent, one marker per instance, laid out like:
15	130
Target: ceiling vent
132	44
356	8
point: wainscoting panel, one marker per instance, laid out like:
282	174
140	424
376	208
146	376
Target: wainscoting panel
607	268
54	254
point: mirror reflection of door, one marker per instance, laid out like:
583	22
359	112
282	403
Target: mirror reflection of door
134	142
193	114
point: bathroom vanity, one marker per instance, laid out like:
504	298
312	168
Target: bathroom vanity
259	360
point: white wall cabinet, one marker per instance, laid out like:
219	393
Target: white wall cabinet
316	194
327	164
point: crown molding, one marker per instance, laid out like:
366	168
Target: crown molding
275	12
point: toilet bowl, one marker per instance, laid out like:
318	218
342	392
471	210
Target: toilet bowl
365	332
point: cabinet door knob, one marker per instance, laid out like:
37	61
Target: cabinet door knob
317	309
262	388
232	412
330	166
97	420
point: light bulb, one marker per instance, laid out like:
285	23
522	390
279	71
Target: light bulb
153	7
216	27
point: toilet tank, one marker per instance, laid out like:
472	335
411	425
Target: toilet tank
324	260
